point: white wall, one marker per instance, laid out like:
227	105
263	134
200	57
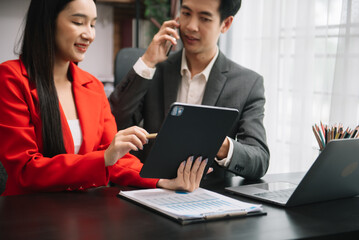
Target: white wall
11	17
98	60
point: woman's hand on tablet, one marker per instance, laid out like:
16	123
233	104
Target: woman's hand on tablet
189	175
132	138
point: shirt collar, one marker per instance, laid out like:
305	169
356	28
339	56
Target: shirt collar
205	72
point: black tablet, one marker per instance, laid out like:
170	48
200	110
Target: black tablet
188	130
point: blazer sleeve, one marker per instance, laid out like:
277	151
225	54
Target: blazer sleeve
28	170
127	100
250	157
126	173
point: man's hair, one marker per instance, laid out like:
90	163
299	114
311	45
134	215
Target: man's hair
229	8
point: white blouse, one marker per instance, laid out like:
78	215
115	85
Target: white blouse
76	133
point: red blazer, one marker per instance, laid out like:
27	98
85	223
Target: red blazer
21	141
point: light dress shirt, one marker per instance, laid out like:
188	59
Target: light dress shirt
76	134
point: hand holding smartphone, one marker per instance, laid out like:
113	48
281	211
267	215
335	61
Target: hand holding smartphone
169	45
161	45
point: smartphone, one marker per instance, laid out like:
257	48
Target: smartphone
169	44
168	48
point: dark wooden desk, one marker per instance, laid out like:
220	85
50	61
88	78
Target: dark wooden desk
99	214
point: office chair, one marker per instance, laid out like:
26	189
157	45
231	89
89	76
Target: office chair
125	59
3	178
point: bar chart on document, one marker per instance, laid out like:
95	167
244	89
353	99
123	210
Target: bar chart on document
183	202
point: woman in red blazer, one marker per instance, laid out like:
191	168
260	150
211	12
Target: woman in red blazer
56	127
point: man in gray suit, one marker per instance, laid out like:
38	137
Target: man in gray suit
199	74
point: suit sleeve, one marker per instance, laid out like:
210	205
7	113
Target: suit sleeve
127	100
250	157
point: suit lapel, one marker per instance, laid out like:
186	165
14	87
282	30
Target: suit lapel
171	79
216	81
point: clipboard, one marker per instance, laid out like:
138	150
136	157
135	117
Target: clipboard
188	130
200	205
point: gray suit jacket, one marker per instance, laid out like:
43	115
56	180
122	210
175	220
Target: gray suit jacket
229	85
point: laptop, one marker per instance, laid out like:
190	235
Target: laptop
333	175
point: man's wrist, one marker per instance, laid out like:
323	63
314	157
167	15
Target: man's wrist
226	161
146	61
223	151
143	70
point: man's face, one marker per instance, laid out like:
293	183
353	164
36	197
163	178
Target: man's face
200	25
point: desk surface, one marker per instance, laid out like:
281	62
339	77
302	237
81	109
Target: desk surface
99	214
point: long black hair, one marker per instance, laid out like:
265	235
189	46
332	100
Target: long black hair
38	56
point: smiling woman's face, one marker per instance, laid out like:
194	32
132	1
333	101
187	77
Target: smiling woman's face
75	30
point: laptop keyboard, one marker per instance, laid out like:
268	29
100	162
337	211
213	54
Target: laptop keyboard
278	196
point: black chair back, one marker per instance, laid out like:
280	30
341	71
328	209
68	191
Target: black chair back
3	178
125	59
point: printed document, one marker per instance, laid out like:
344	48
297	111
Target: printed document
199	204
